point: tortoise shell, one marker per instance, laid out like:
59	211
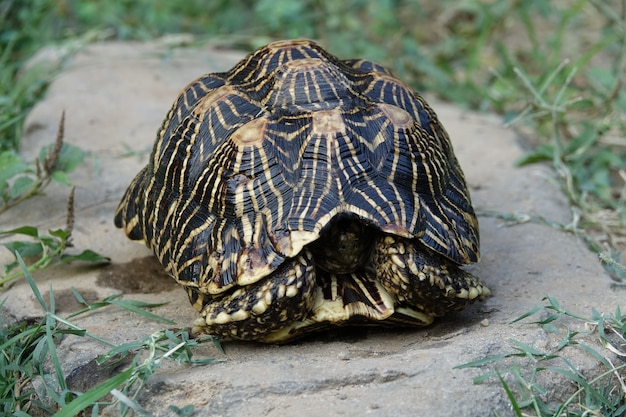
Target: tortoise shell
292	183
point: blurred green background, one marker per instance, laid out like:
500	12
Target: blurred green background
554	69
453	48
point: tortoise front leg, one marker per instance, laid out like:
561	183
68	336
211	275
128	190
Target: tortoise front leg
252	311
423	281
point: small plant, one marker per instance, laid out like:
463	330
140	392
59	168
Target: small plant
29	354
43	250
572	103
18	182
582	166
601	394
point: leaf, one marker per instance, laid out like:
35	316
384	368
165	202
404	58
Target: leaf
480	362
579	379
24	230
529	313
12	164
25	249
22	185
85	256
8	268
525	348
580	144
61	177
541	153
554	303
32	284
135	307
59	233
50	242
511	396
94	394
186	411
69	158
603	77
92	306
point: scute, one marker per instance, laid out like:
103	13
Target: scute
252	165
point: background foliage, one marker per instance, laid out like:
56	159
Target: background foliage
555	68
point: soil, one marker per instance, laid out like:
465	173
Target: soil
115	96
140	275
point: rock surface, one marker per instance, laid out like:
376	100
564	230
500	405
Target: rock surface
115	96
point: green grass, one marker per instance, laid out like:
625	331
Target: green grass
524	371
31	375
20	181
554	70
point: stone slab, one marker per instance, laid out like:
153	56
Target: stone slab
115	96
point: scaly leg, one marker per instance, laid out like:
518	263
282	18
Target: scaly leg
422	281
255	310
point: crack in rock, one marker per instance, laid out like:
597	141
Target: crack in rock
371	377
235	396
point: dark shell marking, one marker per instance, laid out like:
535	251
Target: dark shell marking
254	166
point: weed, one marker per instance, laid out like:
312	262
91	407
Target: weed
31	375
20	181
601	394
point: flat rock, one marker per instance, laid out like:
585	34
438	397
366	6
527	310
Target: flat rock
115	96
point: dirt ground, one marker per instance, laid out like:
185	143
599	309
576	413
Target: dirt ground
115	96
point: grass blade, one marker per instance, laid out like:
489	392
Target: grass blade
94	394
510	396
135	307
31	282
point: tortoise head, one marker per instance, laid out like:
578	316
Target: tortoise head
344	245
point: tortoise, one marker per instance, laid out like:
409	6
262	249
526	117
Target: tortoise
298	192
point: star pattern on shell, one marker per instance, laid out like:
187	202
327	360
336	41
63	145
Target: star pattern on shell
298	191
